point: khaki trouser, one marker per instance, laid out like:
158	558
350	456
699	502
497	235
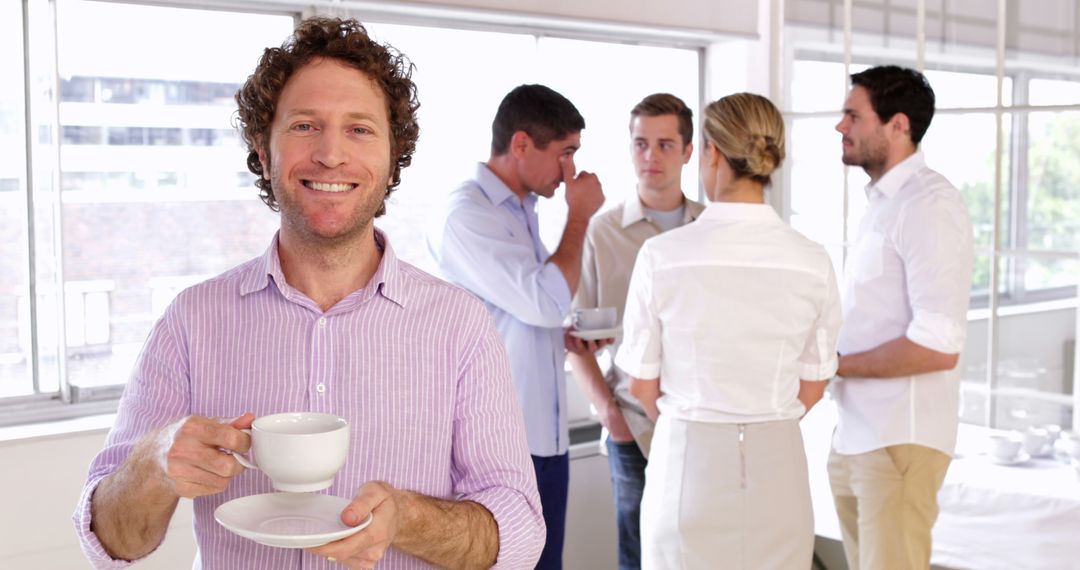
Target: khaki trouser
887	503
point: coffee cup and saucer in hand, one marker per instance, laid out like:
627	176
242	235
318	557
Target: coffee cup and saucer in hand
1008	449
595	324
301	452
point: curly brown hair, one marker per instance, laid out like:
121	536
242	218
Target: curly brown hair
346	41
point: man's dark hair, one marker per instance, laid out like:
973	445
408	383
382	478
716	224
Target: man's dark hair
895	89
659	104
541	112
347	42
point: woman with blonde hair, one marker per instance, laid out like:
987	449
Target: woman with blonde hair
730	334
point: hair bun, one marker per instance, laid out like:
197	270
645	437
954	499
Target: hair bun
763	155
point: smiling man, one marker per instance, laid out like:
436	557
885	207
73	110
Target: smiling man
326	320
490	245
661	134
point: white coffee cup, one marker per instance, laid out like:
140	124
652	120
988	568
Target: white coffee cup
1005	446
299	451
1053	431
1069	444
1036	441
595	319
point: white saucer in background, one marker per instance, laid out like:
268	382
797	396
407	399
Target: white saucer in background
597	334
288	520
1020	459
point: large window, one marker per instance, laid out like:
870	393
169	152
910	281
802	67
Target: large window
138	183
140	186
1018	364
459	94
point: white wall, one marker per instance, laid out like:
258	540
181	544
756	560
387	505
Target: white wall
40	483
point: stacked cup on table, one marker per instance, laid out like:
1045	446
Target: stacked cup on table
1048	441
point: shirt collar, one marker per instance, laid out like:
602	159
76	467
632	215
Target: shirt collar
731	211
387	280
496	190
634	211
893	180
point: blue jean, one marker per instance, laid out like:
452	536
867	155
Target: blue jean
553	482
628	482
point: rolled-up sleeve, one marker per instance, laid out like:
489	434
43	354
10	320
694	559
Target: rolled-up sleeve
640	352
818	360
491	463
476	250
935	239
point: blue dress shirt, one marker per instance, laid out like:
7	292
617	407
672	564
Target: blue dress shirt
489	244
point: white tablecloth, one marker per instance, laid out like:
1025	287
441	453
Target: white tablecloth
993	517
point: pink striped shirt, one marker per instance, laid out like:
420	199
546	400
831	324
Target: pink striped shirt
414	363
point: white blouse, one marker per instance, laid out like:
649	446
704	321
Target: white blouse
730	312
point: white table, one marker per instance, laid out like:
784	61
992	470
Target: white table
993	517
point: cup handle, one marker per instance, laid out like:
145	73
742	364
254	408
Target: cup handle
250	464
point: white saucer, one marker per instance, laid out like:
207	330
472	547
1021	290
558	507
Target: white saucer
1022	458
597	334
288	520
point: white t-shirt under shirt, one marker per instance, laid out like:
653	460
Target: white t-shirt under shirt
908	274
730	312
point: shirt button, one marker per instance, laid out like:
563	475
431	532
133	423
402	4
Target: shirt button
320	388
322	322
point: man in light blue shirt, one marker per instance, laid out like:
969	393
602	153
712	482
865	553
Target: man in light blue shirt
490	245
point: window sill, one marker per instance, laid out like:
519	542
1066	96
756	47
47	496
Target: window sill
56	429
983	313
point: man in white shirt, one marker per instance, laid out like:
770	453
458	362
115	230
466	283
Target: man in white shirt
905	301
661	135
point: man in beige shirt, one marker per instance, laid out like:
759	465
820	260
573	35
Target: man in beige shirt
661	130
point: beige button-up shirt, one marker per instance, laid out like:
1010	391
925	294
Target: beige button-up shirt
611	246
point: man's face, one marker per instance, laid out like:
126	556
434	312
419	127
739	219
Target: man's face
658	152
864	141
329	152
541	172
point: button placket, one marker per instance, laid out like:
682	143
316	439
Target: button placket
321	348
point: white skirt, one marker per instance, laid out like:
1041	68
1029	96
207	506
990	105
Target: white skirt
731	496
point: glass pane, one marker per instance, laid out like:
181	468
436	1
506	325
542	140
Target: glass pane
973	377
156	192
455	130
953	89
1053	92
604	82
972	171
1036	345
817	86
1050	273
15	371
817	180
1020	413
1053	208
